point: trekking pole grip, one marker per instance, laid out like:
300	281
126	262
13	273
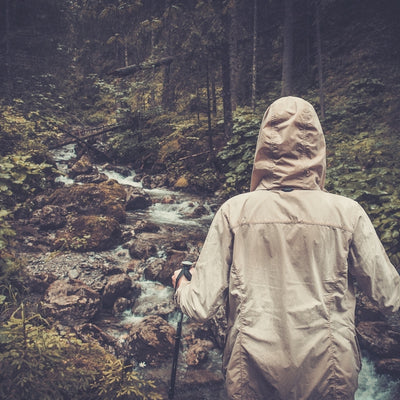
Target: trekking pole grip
185	271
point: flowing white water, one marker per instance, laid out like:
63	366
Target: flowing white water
151	293
179	211
176	213
372	386
65	153
123	180
62	156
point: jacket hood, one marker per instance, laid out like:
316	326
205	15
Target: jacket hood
290	149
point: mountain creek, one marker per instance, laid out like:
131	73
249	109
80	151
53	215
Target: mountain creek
99	252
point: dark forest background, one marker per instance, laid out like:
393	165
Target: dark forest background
182	85
187	82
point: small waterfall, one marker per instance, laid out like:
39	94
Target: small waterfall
123	180
61	156
175	212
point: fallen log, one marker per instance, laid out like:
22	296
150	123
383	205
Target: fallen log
76	138
194	155
132	69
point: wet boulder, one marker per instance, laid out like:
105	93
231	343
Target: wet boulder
137	199
89	233
379	338
155	181
117	286
89	331
191	242
154	268
181	183
96	177
119	169
197	211
106	198
197	352
140	248
388	366
71	302
173	262
151	340
366	310
120	305
146	226
161	270
49	217
82	167
168	199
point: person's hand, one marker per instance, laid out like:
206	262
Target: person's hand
182	279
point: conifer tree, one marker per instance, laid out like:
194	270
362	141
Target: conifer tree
288	49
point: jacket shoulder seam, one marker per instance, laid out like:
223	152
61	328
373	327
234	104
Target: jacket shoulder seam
295	222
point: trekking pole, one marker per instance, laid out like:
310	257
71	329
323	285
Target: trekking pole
186	265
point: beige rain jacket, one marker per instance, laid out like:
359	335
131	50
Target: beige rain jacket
281	261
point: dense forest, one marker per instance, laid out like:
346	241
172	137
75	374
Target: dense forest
179	88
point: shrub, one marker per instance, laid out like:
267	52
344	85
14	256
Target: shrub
37	363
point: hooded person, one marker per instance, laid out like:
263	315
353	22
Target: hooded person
283	260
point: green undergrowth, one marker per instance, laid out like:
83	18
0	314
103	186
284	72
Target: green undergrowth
37	362
25	170
236	157
364	167
363	146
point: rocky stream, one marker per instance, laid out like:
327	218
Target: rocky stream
99	251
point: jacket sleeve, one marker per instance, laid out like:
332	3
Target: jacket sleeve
206	292
370	265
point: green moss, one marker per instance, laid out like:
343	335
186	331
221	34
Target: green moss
89	233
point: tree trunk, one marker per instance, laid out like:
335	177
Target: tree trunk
210	137
309	21
198	102
226	92
214	95
288	50
8	54
319	59
168	92
234	52
254	62
126	61
168	95
226	72
152	40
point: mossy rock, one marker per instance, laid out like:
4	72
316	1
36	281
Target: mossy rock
181	183
82	166
89	233
107	198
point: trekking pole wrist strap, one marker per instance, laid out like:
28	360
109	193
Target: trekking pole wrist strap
185	271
